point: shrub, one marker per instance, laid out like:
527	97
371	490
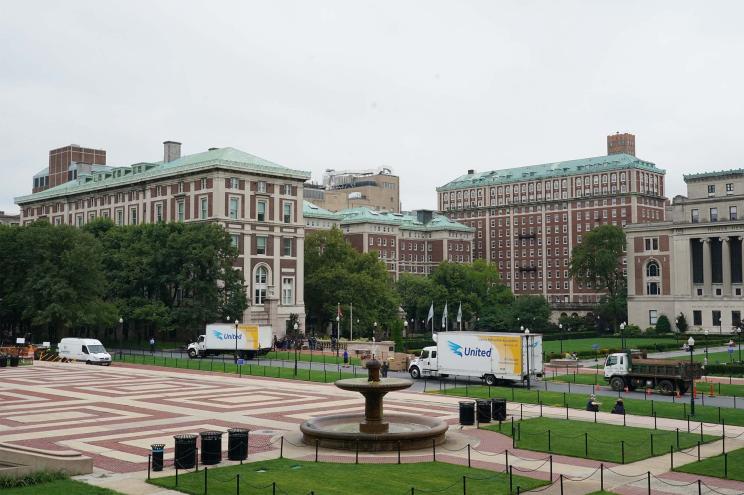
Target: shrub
662	325
31	479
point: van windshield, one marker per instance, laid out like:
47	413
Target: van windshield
96	349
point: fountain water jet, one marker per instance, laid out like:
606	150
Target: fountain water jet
373	431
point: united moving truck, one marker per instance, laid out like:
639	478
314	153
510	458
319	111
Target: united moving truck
221	338
493	357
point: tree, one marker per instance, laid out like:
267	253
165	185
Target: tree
335	273
533	312
682	323
417	294
596	261
662	325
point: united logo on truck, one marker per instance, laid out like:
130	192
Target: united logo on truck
468	351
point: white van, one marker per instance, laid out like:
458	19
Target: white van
89	350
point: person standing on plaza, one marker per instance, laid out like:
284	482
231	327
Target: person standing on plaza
346	358
152	345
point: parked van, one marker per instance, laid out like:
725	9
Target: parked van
89	350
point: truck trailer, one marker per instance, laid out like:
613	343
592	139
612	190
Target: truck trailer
493	357
222	338
630	370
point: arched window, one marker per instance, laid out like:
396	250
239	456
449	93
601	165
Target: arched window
652	269
260	284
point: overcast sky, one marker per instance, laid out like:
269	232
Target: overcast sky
427	88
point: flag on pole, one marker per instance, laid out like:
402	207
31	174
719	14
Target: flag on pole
459	316
339	313
444	317
431	314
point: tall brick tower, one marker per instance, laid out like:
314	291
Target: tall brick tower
621	143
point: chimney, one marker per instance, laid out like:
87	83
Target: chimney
621	143
171	151
471	171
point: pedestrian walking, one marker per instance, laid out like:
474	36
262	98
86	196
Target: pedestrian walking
152	345
346	358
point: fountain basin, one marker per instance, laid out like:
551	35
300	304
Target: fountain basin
345	432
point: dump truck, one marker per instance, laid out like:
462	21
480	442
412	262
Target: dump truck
493	357
247	341
632	370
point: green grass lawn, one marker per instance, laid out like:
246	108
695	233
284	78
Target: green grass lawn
598	441
585	345
331	374
713	357
315	357
598	378
639	407
301	477
714	466
59	487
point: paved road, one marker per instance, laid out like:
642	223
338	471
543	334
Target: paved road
449	382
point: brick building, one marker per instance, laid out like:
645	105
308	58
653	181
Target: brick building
527	219
377	189
66	163
414	242
257	201
691	264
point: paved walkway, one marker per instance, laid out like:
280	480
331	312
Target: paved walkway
114	414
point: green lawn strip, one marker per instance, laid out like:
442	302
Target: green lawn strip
638	407
585	345
301	477
59	487
308	357
714	466
250	368
598	441
713	357
593	378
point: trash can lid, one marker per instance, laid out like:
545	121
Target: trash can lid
185	437
157	446
238	430
211	433
468	403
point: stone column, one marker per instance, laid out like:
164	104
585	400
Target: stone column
707	268
726	262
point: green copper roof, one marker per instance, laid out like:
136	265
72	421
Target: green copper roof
228	158
710	175
550	170
310	210
406	221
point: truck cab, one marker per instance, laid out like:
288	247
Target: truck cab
425	363
197	348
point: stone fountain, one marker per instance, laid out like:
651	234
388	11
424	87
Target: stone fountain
373	431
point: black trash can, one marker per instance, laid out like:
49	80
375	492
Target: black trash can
211	447
467	413
483	408
237	444
3	361
157	456
498	409
14	360
185	455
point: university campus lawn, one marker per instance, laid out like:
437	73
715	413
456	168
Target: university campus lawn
676	410
715	466
598	379
598	441
59	487
713	357
302	477
252	368
585	345
314	357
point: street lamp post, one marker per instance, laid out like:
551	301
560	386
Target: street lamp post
405	328
622	335
706	343
560	327
236	340
296	326
527	335
738	333
338	333
691	346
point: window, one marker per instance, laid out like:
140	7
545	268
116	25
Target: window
695	215
259	286
133	216
261	211
261	186
234	183
159	212
287	291
732	212
180	211
235	240
714	214
653	315
233	210
287	247
697	317
711	189
730	188
652	244
287	212
652	288
735	318
261	245
716	318
203	183
203	208
119	217
652	269
180	187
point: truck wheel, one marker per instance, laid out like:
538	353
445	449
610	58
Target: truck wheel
490	380
415	373
617	383
192	353
666	387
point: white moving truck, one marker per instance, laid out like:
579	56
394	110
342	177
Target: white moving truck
493	357
89	350
221	338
